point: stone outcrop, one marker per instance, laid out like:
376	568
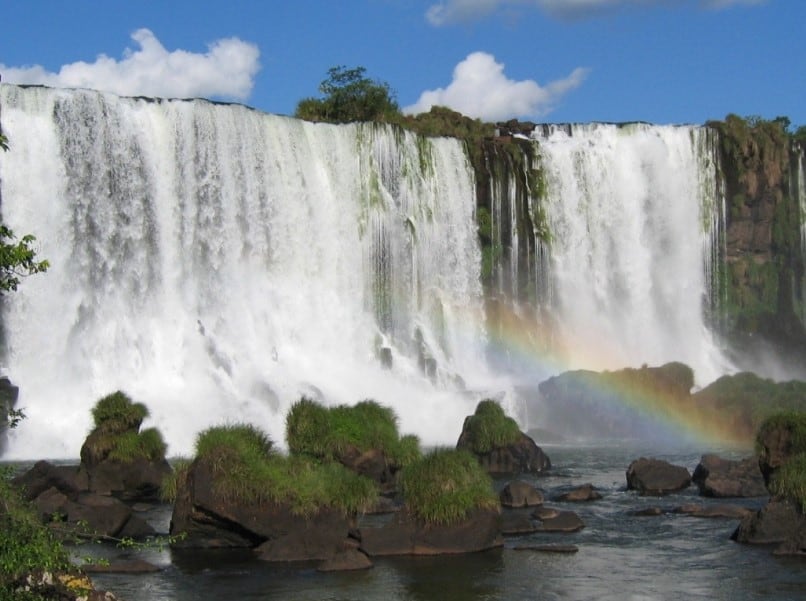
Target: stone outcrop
775	523
62	498
579	494
520	494
403	534
656	477
718	477
520	457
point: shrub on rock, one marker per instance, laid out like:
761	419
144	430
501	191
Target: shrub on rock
498	444
363	438
445	486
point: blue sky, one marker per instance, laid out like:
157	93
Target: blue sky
662	61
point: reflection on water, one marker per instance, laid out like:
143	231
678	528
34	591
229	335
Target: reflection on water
620	557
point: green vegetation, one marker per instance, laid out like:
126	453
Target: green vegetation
117	413
349	96
444	486
490	428
170	484
26	545
247	470
117	434
327	433
748	399
129	446
789	480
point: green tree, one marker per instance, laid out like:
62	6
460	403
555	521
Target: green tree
17	256
349	96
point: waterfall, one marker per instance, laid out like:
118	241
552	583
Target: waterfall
216	263
635	215
797	185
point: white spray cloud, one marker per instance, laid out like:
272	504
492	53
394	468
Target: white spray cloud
448	12
226	70
480	89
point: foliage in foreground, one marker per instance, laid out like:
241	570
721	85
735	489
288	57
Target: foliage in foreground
26	545
789	480
490	428
444	486
247	470
327	433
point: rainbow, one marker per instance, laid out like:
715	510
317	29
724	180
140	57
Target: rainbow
539	350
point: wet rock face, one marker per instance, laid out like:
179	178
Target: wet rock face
520	457
656	477
520	494
717	477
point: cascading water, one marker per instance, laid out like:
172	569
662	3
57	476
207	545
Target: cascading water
216	263
634	216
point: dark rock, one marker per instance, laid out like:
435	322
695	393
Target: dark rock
713	511
121	566
209	521
68	480
136	528
647	512
521	457
94	514
656	477
586	492
775	447
137	480
776	522
520	494
51	505
514	523
385	357
346	560
545	513
566	521
717	477
405	535
547	548
384	505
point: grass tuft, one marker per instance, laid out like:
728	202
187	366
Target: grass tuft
171	482
117	413
248	471
490	428
444	486
789	480
131	445
326	433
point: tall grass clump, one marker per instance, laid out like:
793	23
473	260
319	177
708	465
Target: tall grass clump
248	471
327	433
131	445
792	421
171	482
789	480
117	413
490	428
445	485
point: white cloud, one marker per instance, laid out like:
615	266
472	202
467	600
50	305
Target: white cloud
481	90
226	70
448	12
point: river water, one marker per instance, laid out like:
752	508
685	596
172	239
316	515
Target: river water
620	556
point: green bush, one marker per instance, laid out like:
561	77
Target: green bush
327	433
117	413
490	428
131	445
248	471
444	486
26	545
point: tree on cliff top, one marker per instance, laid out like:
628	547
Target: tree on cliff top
349	96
